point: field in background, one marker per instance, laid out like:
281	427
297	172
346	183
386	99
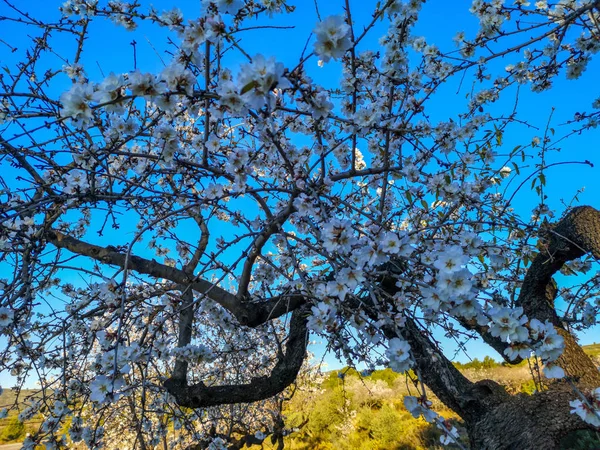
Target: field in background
349	412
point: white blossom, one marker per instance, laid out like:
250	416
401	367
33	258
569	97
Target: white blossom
333	38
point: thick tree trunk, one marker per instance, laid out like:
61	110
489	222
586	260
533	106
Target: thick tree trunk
523	421
494	419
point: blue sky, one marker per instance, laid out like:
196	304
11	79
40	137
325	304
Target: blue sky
108	50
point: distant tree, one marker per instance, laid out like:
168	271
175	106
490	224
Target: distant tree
169	237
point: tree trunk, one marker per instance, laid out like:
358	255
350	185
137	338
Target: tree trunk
524	421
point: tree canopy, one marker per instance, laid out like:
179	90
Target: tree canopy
176	223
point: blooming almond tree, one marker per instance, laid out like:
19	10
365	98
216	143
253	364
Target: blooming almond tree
182	206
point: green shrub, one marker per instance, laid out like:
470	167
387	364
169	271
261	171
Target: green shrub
387	375
528	387
487	363
14	430
581	440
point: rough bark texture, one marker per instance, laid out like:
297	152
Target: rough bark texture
541	420
526	421
283	374
577	234
494	419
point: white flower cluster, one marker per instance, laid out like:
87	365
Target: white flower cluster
422	407
453	290
333	38
29	411
106	389
6	317
194	354
318	104
226	6
174	80
588	408
79	7
508	324
198	32
322	316
217	444
258	80
512	326
398	353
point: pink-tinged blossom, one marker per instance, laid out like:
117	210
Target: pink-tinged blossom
588	410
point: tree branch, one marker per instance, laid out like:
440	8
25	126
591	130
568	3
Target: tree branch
247	313
283	374
495	342
576	234
467	399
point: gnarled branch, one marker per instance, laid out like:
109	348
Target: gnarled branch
247	313
283	374
576	234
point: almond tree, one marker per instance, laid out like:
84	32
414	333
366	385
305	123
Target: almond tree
170	237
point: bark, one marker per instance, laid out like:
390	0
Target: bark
283	374
527	421
576	235
247	313
542	419
494	419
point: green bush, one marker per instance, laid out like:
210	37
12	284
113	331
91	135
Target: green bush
14	430
581	440
528	387
487	363
387	375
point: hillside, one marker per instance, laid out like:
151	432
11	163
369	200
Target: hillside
346	411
